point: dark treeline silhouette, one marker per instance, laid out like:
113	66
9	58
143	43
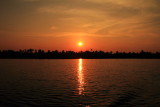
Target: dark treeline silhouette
41	54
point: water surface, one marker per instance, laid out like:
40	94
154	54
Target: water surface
80	82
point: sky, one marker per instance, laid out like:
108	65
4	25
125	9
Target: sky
108	25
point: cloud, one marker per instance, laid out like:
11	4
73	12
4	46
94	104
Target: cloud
80	7
54	27
75	14
29	0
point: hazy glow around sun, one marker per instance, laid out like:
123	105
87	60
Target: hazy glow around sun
80	43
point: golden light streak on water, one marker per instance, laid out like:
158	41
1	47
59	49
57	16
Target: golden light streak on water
80	78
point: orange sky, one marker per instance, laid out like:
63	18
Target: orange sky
108	25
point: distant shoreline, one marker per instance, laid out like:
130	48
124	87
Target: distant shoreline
79	58
41	54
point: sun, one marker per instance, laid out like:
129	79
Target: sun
80	43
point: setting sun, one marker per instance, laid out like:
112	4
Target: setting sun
80	43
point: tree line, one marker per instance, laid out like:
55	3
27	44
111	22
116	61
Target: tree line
89	54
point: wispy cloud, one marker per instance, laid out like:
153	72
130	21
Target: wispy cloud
29	0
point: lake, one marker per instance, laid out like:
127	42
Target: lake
80	82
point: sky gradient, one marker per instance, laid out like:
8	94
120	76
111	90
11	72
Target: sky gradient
108	25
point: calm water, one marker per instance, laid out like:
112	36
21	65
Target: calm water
80	82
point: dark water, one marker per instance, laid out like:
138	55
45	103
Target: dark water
80	82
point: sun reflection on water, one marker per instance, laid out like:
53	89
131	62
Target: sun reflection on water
80	78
